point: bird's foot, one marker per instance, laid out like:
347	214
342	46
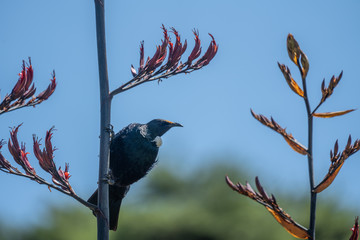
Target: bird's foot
110	129
110	178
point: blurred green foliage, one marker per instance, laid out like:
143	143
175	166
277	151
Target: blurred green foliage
200	206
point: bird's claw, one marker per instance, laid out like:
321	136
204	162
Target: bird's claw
110	178
110	129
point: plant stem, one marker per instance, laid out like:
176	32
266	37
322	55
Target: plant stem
310	159
42	181
311	177
130	84
105	105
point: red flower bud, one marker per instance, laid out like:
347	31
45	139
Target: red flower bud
19	153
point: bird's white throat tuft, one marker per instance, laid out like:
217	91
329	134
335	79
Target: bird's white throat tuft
158	141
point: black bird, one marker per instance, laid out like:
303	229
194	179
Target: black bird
133	152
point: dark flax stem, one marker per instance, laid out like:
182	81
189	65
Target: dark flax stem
317	107
42	181
311	229
133	82
105	103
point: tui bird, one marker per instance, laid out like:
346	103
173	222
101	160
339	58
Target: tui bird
133	152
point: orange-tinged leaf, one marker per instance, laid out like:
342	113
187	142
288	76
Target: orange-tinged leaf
293	48
295	87
290	81
332	114
329	178
304	64
271	205
337	161
295	145
292	228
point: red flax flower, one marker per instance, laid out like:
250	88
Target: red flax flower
3	162
65	175
156	68
355	230
49	90
46	161
19	153
175	51
195	53
25	89
209	55
21	89
45	157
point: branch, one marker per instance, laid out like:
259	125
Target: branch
105	108
42	181
300	59
328	91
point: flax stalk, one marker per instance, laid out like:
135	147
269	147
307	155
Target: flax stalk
105	107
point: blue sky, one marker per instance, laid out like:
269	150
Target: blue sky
213	104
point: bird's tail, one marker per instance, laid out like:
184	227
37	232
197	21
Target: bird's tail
116	194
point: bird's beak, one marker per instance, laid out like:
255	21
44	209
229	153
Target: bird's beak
174	124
